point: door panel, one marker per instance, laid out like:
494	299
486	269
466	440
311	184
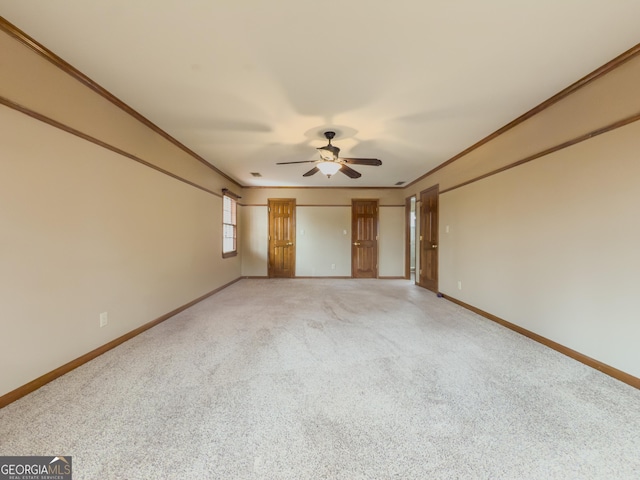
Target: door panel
282	238
428	276
364	236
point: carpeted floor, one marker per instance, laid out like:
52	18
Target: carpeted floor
331	379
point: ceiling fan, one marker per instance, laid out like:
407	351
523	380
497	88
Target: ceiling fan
329	162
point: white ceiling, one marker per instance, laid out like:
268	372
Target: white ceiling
248	83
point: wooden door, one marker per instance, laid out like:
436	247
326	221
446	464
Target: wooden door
282	238
364	238
428	276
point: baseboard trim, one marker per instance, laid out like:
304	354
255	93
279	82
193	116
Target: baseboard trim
591	362
305	277
73	364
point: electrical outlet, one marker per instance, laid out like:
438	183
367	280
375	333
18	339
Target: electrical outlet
459	284
104	319
333	266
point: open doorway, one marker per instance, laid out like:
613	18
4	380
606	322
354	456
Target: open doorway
410	239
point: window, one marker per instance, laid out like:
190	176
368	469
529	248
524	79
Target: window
229	224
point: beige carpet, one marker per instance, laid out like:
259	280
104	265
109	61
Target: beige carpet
331	379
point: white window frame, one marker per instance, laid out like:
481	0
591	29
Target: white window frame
229	224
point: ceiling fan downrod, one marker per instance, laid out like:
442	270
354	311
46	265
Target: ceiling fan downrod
329	136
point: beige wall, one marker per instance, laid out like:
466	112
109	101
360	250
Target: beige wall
602	102
85	230
323	196
323	236
323	239
552	245
392	242
37	84
322	217
253	236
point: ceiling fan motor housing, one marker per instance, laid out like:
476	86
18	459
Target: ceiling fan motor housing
329	153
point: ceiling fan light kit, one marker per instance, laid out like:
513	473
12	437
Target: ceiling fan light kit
329	163
329	168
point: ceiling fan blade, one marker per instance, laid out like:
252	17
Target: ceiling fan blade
350	172
362	161
302	161
313	171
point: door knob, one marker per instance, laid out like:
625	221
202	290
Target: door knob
289	243
356	243
434	246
